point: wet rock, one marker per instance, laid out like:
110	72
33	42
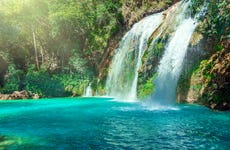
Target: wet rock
209	85
224	106
213	105
19	95
4	96
36	96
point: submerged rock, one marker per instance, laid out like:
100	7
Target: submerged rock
6	142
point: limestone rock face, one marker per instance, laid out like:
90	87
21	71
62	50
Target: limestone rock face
217	90
134	10
210	83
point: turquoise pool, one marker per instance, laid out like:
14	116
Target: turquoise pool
103	123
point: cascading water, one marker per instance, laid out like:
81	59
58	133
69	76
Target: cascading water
88	91
123	74
171	64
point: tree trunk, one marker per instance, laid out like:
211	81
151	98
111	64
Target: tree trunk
42	50
42	54
35	50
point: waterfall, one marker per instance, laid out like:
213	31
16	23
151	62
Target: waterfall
123	74
171	63
88	91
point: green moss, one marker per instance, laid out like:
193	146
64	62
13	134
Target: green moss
150	62
196	86
219	47
147	88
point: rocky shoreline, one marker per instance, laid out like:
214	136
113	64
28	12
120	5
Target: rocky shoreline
224	106
19	95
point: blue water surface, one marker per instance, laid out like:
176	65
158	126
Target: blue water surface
103	123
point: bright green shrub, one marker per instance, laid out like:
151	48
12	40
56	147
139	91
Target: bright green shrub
42	83
12	79
147	88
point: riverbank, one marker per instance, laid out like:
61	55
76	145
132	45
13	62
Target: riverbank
19	95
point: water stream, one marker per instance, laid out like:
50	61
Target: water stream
123	75
88	91
171	63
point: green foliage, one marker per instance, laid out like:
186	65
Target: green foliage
219	47
78	64
206	71
150	61
73	84
90	23
40	82
100	90
43	83
158	48
217	21
56	85
196	86
59	27
196	6
12	79
70	38
147	88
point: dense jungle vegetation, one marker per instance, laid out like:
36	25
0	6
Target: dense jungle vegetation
54	47
57	47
